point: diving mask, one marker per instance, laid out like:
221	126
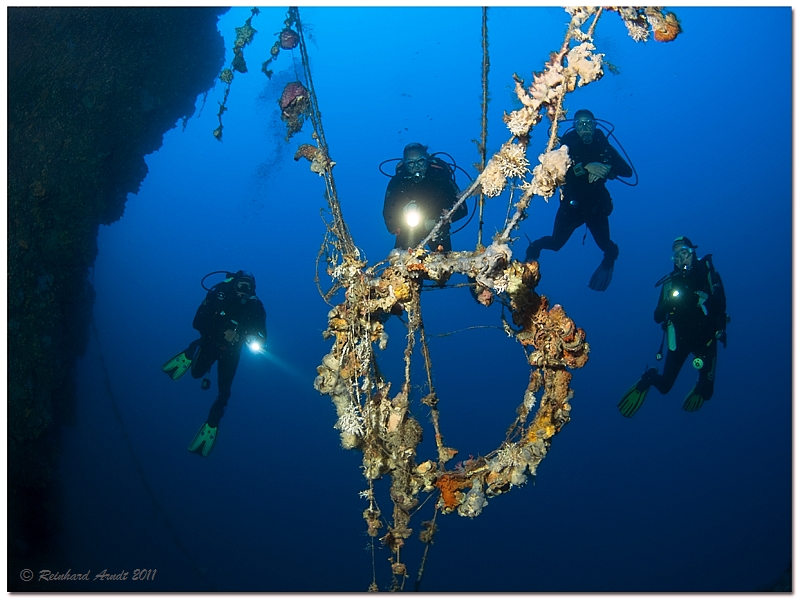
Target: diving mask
417	166
244	288
585	128
682	257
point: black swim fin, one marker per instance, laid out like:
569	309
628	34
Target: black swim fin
601	278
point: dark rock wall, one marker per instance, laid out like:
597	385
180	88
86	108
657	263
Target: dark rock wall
91	91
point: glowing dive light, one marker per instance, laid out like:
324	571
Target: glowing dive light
411	214
254	344
676	293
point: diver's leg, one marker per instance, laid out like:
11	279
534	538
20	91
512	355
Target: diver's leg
226	370
601	233
203	355
705	378
672	366
568	219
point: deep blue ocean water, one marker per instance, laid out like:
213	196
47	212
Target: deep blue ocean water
666	501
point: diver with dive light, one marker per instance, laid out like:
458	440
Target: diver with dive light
230	317
421	190
692	312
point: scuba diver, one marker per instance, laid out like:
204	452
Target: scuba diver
584	197
691	310
422	188
230	316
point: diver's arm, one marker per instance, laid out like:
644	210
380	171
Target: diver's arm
719	301
661	311
390	209
619	168
256	323
208	320
202	318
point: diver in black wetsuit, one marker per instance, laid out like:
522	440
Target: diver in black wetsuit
420	191
230	317
692	312
584	197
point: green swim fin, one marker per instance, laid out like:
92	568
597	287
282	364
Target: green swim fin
177	366
693	401
633	399
203	442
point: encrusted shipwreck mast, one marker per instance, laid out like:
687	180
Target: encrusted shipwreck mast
377	420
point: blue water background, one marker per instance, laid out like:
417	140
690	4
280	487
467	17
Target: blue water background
665	501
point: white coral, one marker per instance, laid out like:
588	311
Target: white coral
520	122
638	32
507	456
584	65
547	86
350	421
492	180
579	14
511	160
550	173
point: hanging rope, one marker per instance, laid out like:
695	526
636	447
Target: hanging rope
343	241
484	114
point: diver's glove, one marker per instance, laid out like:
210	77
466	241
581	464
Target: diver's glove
597	171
